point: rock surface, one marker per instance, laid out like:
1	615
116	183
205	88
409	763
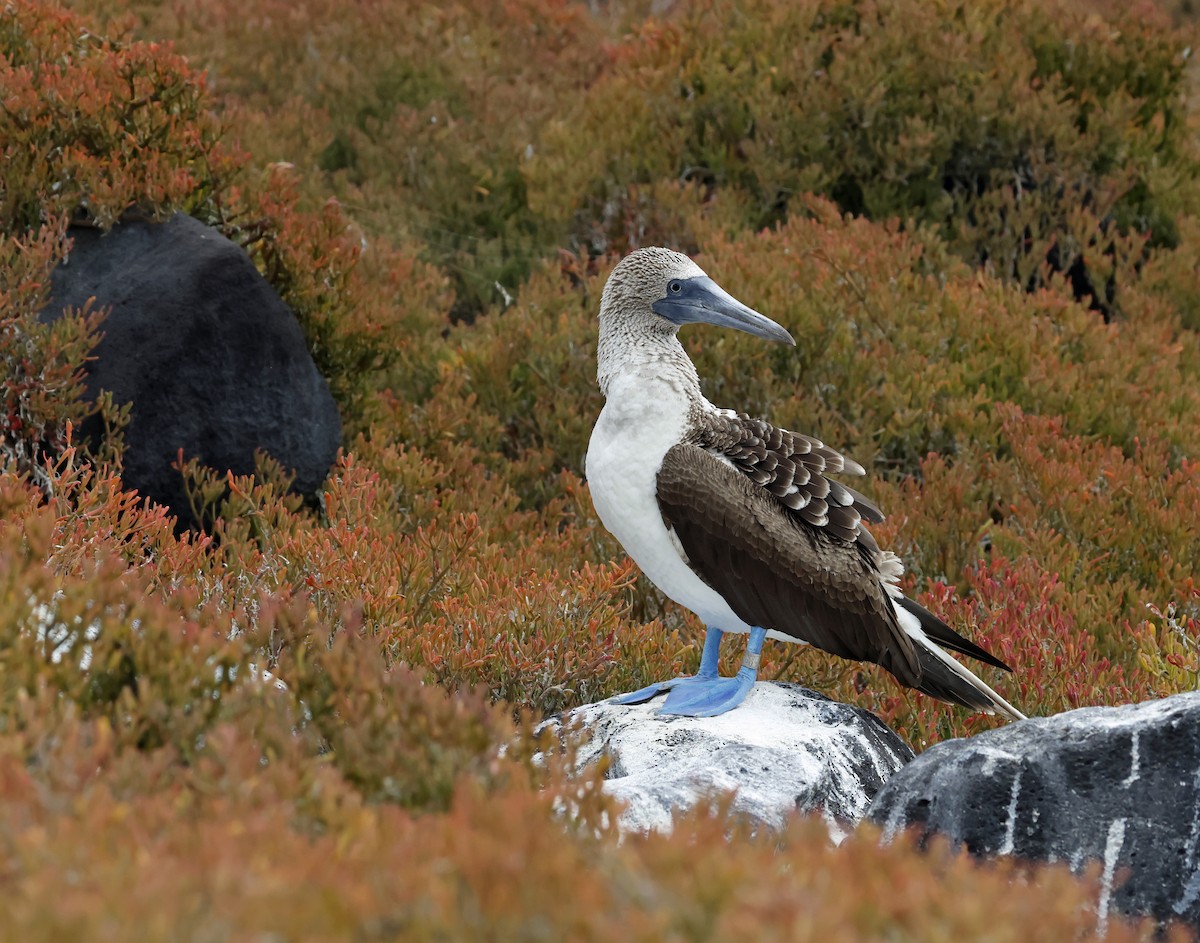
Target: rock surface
211	358
1118	785
785	749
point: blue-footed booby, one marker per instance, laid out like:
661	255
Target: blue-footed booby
738	520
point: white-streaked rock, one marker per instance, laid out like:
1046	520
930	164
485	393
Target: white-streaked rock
1117	786
784	750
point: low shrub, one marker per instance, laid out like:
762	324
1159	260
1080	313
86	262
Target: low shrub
1027	133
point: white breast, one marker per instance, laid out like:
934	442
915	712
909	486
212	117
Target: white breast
641	420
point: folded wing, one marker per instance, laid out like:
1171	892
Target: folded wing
777	569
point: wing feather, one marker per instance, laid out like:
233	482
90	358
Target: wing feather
792	468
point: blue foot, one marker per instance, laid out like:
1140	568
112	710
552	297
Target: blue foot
708	697
641	695
706	694
708	670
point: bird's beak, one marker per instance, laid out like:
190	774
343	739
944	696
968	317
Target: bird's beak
700	300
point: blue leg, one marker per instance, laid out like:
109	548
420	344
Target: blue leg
711	695
712	651
708	669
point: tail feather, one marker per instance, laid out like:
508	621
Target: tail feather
943	676
938	631
947	679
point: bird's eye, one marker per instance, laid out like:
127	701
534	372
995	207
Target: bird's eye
676	287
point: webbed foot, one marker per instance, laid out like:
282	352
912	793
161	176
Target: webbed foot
708	697
705	694
641	695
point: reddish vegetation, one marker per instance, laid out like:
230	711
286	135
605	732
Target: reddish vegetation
901	184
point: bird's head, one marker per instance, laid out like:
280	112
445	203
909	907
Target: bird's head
656	290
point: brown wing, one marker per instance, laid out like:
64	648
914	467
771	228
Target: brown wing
777	570
792	467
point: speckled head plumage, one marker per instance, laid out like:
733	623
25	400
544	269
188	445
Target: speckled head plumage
641	279
649	295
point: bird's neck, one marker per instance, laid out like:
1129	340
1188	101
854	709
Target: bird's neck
631	359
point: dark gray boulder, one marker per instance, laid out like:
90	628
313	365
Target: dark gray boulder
212	360
1118	785
784	750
